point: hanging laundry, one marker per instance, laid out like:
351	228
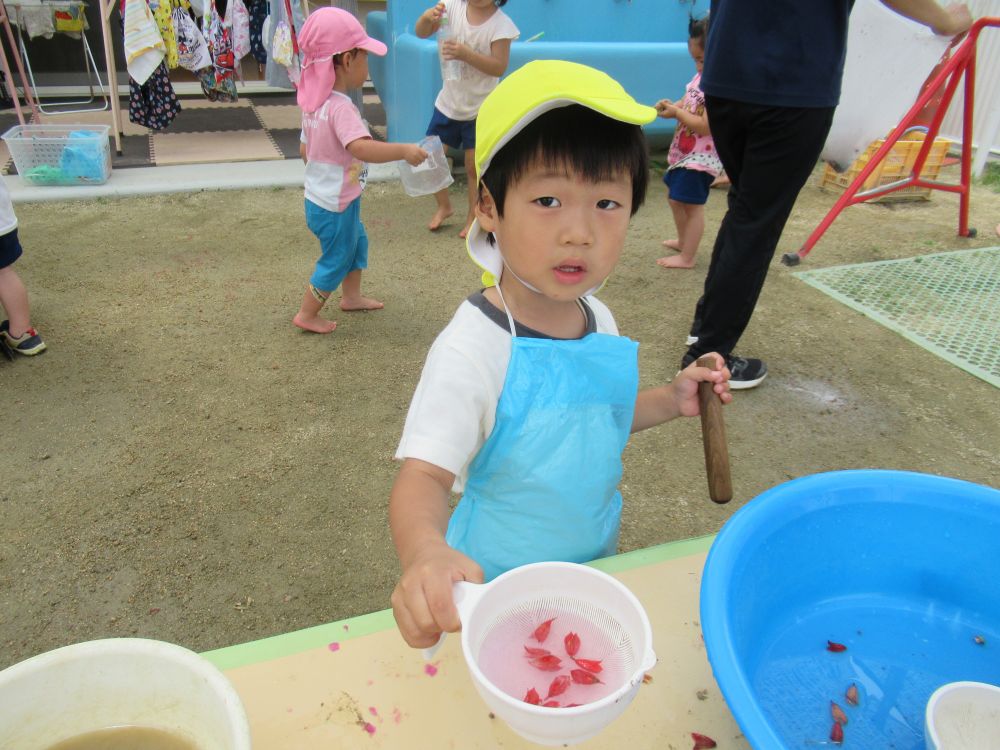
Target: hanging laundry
144	48
218	80
192	49
276	74
153	104
258	12
35	21
70	20
238	19
163	14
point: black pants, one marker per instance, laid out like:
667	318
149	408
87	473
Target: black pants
768	154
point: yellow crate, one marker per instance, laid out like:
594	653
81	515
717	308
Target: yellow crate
897	165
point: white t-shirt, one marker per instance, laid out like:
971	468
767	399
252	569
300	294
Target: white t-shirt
8	221
461	99
454	407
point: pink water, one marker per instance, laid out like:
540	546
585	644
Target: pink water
505	663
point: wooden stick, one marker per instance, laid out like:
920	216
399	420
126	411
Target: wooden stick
713	435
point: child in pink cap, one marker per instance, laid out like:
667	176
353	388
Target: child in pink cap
335	146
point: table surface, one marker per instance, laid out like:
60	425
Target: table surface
356	681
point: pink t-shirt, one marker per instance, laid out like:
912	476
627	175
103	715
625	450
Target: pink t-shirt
688	149
334	178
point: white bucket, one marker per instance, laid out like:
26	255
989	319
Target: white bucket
100	684
430	176
963	716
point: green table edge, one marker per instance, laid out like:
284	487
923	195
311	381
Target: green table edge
286	644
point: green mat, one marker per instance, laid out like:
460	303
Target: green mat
948	303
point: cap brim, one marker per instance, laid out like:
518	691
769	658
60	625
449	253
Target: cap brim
374	46
484	254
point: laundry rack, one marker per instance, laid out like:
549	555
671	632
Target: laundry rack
960	64
90	66
29	96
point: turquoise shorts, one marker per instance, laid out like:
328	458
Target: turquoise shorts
342	240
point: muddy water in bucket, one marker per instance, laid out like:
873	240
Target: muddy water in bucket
126	738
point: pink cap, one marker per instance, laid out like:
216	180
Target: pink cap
327	32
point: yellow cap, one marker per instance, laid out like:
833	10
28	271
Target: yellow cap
543	85
530	91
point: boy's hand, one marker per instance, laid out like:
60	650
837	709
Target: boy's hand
685	385
422	602
414	155
665	109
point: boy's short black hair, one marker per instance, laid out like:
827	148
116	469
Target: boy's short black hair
594	145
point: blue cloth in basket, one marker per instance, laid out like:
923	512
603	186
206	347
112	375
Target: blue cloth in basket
84	159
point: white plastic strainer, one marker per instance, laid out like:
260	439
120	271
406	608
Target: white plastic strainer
610	622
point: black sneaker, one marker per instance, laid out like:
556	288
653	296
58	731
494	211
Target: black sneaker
27	343
744	372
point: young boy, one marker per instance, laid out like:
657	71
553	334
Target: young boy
16	331
335	146
529	395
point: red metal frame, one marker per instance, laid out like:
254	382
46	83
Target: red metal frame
962	63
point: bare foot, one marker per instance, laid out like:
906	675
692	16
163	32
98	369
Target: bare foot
362	304
316	325
468	225
675	261
438	218
673	244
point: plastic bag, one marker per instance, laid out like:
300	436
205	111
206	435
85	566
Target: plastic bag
192	49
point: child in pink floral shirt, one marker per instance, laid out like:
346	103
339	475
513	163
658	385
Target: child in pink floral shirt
693	162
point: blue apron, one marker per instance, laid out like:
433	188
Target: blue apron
544	486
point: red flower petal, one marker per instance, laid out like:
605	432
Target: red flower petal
559	686
583	677
835	647
532	697
837	733
542	631
702	741
537	651
548	663
572	643
591	665
838	714
852	694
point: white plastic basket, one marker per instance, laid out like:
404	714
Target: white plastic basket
60	154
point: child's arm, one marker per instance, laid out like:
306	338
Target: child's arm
302	152
493	64
418	518
680	398
429	21
697	124
377	152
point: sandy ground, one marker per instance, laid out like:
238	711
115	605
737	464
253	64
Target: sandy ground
183	464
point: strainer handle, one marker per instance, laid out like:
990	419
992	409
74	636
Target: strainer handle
465	595
713	435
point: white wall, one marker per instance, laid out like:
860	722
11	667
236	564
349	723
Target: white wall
986	114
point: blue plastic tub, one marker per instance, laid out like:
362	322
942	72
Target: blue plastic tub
901	568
